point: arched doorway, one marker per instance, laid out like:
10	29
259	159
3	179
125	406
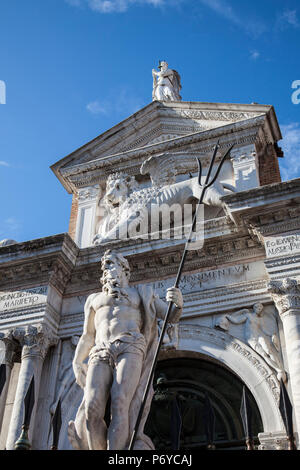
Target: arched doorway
190	380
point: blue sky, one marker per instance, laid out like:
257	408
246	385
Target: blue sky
74	68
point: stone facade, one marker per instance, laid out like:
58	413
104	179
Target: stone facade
251	255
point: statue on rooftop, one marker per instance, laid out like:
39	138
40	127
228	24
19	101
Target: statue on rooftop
166	84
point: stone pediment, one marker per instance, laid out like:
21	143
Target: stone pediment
162	122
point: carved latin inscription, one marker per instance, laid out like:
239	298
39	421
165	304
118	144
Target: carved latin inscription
215	278
282	246
23	298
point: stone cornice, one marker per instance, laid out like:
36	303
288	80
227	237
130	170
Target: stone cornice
61	242
95	170
272	221
204	137
264	194
163	262
153	115
71	270
38	262
272	204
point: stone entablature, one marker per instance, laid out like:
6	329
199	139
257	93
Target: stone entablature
48	259
270	209
34	276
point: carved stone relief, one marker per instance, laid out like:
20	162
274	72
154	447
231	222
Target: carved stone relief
259	331
126	206
66	378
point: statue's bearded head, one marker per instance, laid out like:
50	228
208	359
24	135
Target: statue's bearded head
118	187
116	273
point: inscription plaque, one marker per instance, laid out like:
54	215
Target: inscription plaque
23	298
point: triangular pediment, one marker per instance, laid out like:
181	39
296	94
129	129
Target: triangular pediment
160	122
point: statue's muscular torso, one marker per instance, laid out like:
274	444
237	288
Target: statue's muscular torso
115	317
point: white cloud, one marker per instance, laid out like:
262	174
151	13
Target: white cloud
108	6
223	8
290	165
254	55
121	103
3	163
288	18
113	6
95	107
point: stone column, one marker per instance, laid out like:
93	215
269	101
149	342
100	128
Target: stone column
86	217
35	341
10	347
286	295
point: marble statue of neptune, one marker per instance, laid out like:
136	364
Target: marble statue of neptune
119	340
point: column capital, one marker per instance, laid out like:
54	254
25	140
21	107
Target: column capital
286	294
11	346
88	193
35	340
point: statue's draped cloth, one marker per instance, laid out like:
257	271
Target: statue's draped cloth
77	429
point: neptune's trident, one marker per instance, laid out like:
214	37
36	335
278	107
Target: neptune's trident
204	187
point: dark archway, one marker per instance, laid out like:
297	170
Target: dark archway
189	380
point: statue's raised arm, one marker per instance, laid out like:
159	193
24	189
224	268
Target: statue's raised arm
166	84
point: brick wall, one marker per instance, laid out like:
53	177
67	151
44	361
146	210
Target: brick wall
73	217
269	171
